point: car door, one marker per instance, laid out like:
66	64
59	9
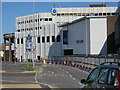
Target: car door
91	80
102	78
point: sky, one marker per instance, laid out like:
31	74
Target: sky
11	10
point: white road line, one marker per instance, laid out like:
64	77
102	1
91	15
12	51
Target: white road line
55	74
73	78
52	72
36	77
67	72
70	75
46	85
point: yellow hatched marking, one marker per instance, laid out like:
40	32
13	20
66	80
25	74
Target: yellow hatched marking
20	86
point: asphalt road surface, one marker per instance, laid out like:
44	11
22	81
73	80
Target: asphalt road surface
16	77
49	76
60	76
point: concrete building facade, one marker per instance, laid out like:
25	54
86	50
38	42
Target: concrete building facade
45	34
86	36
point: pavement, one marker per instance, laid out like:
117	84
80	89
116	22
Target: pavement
16	77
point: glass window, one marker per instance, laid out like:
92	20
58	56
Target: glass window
40	19
38	40
58	38
43	39
21	40
96	14
46	19
108	13
103	75
50	19
48	38
93	75
111	76
104	14
35	20
58	14
18	41
53	38
100	14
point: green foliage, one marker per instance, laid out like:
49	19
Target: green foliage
30	68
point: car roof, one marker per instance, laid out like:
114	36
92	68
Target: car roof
109	66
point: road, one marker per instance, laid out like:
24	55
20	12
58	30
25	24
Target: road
59	76
16	77
49	76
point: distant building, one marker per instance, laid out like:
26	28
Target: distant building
38	35
117	34
8	47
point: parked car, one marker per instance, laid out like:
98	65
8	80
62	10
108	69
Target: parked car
106	75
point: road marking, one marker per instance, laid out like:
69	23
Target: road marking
36	77
20	86
2	71
73	78
67	72
46	85
53	73
41	75
70	75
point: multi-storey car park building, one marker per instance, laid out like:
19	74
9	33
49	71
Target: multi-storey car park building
39	35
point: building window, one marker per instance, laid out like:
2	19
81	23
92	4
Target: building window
104	14
65	37
83	14
58	38
46	19
66	14
75	14
108	14
35	20
96	14
53	38
21	40
79	14
38	39
18	30
48	38
62	14
50	19
40	19
113	13
100	14
43	39
58	14
18	41
40	27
